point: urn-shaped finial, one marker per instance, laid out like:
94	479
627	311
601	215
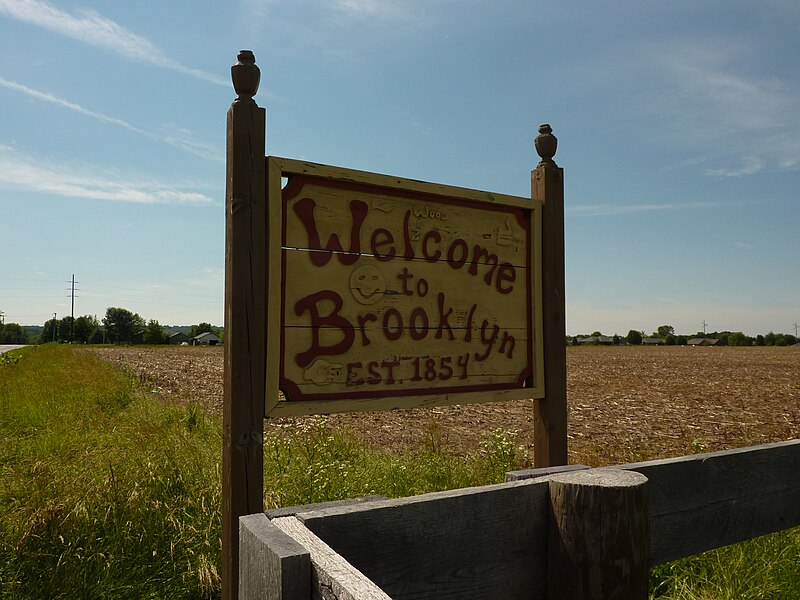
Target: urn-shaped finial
546	143
246	75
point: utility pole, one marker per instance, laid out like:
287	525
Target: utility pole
796	327
55	325
704	326
72	312
2	317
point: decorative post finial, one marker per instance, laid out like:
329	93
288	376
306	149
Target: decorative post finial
246	75
546	143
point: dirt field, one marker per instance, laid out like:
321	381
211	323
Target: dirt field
625	404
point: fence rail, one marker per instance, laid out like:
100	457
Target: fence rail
513	540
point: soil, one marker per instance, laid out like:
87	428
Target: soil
625	403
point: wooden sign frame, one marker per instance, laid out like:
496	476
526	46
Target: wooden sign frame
338	186
253	238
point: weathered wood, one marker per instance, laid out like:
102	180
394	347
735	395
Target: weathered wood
332	577
706	501
298	167
542	472
245	327
399	293
550	412
272	564
472	543
312	407
597	536
290	511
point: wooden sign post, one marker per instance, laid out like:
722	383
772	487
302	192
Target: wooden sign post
245	328
347	290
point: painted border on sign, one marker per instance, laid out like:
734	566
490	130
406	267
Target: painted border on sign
530	383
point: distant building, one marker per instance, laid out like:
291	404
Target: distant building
596	339
702	342
178	338
653	341
206	339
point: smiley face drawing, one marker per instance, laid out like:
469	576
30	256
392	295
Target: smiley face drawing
367	284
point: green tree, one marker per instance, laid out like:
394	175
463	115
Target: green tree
681	340
737	338
154	333
85	329
123	326
12	333
49	331
665	330
669	339
760	340
634	338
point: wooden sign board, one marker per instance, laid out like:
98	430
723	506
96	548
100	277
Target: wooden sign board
386	293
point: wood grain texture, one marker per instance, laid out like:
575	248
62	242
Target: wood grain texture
272	565
710	500
298	167
397	293
550	413
597	536
245	330
485	542
542	472
706	501
332	577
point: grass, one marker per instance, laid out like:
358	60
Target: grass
109	491
106	491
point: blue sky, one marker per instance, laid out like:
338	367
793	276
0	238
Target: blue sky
678	127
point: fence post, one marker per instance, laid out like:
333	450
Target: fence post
598	537
550	412
245	316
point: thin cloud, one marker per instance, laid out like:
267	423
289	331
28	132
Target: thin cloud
90	27
714	103
22	173
604	210
180	138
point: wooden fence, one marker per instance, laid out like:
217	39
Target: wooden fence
563	532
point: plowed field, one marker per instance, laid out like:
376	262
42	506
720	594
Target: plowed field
625	404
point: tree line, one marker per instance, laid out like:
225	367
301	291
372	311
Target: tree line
724	338
118	326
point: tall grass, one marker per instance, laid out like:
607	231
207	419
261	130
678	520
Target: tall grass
108	491
104	493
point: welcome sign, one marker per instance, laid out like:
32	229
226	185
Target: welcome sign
396	293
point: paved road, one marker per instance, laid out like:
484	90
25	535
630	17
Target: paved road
7	347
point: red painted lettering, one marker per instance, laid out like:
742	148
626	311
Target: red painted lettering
382	237
487	342
404	277
506	273
362	322
304	209
435	235
352	374
398	332
334	319
491	260
443	318
418	331
460	246
374	376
